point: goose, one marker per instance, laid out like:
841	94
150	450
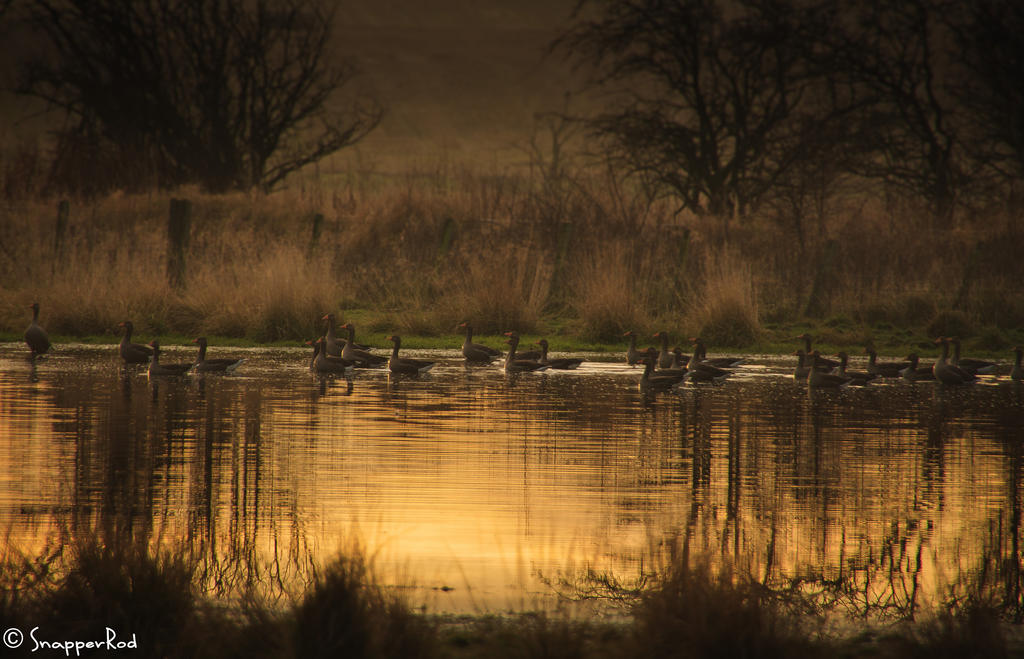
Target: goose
883	369
673	371
514	363
914	373
220	365
406	365
664	356
35	336
803	368
947	373
325	364
701	372
700	354
1017	373
679	360
362	358
972	366
158	369
332	344
132	353
560	363
819	379
476	352
652	381
823	363
633	355
857	378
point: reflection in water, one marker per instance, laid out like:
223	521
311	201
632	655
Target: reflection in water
470	485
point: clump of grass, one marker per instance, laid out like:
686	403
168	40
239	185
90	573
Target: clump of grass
344	614
607	298
501	291
694	612
727	312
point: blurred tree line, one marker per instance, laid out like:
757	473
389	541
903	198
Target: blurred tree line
732	106
227	94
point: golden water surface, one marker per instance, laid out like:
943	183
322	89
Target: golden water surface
477	490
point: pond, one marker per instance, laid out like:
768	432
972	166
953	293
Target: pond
475	490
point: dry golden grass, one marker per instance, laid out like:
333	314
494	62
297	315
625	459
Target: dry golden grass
426	251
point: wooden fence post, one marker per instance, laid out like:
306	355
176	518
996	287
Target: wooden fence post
63	211
178	226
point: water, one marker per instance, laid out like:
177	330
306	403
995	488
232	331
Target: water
475	490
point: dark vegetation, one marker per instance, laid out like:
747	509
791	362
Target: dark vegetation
729	169
684	609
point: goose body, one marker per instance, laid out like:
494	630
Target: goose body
325	364
883	369
133	353
946	372
822	363
158	369
362	358
516	364
35	336
972	366
1017	372
560	363
633	355
219	365
664	355
653	381
857	378
476	352
819	379
405	365
673	371
700	355
914	373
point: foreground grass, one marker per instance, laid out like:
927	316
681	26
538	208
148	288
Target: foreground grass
77	592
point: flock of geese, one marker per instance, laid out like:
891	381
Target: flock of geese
664	370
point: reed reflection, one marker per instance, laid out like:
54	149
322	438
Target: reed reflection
888	498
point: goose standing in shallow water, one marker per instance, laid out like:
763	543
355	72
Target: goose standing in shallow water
559	363
156	368
1017	373
664	355
633	356
132	353
219	365
947	373
35	336
406	365
477	352
516	364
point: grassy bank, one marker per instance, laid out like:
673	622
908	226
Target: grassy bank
581	260
683	609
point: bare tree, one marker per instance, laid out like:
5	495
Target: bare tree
898	54
226	93
989	38
714	102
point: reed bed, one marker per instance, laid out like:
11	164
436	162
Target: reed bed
685	609
422	253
